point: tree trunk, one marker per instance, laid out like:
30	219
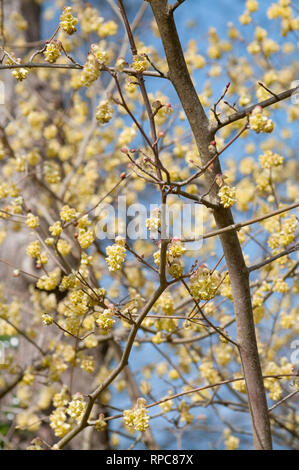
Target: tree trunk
204	134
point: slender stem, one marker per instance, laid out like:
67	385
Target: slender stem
290	250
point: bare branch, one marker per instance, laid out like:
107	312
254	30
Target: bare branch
176	5
263	104
274	258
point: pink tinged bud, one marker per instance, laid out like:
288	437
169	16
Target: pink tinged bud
124	150
257	109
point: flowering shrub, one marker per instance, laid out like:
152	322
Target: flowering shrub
116	328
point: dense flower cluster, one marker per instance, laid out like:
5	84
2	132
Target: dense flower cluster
116	254
270	159
52	52
137	417
91	71
154	222
67	21
203	283
105	319
20	73
259	122
104	112
140	63
32	221
227	195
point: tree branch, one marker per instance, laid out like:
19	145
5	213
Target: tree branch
263	104
274	258
176	5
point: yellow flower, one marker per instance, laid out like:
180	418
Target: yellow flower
116	254
100	423
90	72
63	247
52	51
32	221
137	417
55	229
67	21
227	195
140	63
33	249
67	214
104	112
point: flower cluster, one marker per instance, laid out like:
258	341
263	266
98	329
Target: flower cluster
270	159
63	247
116	254
285	233
231	442
185	415
47	319
67	21
154	222
34	249
50	281
90	20
203	283
76	407
104	320
174	262
67	213
20	73
91	71
100	53
53	51
227	195
259	122
58	422
140	63
104	112
85	238
137	417
100	423
32	221
55	229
